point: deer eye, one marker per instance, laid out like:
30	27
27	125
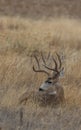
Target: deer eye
49	82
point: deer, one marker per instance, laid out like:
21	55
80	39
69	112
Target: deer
51	86
50	89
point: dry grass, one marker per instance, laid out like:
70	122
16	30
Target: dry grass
19	39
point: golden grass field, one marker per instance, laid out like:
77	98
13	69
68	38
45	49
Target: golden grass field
19	39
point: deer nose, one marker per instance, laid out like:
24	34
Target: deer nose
40	89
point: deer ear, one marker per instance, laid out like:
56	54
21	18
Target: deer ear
62	72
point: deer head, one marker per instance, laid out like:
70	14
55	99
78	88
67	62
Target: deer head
54	73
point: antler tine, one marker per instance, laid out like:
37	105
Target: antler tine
60	62
37	61
43	58
56	67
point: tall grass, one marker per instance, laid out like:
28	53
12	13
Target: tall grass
20	38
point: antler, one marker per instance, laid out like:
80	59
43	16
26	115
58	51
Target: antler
57	68
39	70
43	59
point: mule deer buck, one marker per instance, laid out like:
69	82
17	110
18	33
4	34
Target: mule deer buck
51	86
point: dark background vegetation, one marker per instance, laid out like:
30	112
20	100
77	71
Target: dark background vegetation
41	8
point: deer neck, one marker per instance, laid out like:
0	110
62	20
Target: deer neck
56	81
